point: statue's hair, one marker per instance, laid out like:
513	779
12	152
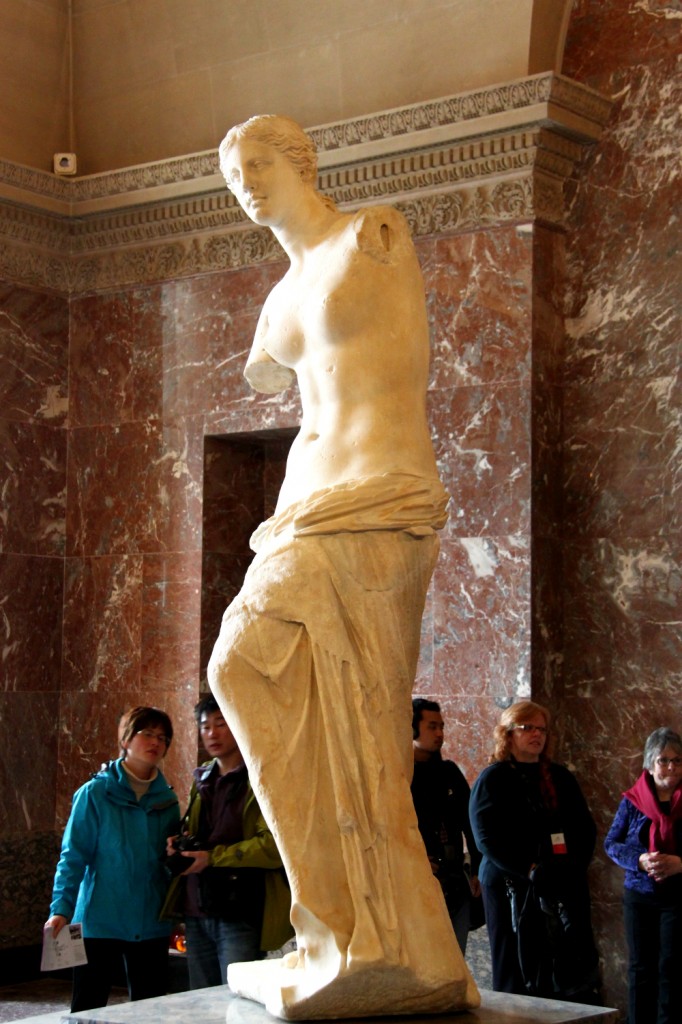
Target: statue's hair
283	134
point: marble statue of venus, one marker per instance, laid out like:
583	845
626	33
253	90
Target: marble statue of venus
317	654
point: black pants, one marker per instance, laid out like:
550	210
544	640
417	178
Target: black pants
653	929
558	963
146	970
507	975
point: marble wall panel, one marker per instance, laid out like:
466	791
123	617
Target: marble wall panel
102	622
212	321
28	767
32	485
33	409
31	593
135	487
478	288
481	616
622	457
260	413
617	33
623	603
203	371
625	246
209	304
482	441
116	358
171	615
34	351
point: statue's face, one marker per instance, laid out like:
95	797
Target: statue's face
265	183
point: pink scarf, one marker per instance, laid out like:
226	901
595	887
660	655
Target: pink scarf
662	831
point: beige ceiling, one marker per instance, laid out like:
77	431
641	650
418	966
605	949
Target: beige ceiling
123	82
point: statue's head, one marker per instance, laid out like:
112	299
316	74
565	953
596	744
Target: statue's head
283	134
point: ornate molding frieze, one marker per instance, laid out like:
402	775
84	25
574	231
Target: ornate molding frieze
518	96
474	160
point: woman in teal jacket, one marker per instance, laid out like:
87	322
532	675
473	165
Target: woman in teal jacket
110	876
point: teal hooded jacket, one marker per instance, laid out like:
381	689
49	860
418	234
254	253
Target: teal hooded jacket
110	876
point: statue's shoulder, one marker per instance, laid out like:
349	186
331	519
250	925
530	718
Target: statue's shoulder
382	232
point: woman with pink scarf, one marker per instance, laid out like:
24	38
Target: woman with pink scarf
646	840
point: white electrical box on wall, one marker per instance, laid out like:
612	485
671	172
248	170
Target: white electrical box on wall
64	163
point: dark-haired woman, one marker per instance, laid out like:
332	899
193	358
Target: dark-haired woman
536	834
110	875
646	840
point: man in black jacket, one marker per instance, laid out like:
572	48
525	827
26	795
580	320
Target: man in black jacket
441	800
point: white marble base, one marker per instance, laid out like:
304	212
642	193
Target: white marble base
221	1006
379	990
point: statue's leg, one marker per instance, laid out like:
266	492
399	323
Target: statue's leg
278	726
321	713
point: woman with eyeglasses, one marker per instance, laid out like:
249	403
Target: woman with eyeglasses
536	834
110	877
645	840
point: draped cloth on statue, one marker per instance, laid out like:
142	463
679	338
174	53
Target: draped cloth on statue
313	669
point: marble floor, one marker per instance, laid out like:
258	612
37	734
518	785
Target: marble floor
220	1006
51	995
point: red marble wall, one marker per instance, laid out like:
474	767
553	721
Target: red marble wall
476	637
622	412
33	389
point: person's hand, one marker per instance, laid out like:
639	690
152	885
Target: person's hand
660	866
170	849
56	923
475	886
200	861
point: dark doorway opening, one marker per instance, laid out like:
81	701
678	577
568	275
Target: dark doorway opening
243	474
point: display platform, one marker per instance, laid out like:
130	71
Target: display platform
220	1006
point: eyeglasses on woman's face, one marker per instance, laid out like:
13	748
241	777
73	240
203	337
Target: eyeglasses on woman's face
669	762
528	728
149	734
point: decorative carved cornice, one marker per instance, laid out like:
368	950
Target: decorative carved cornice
519	96
493	156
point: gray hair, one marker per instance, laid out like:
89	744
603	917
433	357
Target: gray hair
657	741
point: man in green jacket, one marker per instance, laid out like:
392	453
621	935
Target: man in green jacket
233	895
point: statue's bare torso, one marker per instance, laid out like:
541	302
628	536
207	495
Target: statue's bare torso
349	321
